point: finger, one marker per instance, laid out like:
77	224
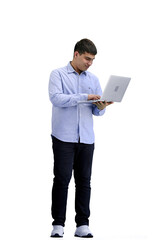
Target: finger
97	97
102	103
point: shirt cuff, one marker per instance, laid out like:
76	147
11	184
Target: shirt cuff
99	112
83	97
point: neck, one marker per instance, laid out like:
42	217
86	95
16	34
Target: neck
75	67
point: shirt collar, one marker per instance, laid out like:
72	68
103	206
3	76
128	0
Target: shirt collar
71	69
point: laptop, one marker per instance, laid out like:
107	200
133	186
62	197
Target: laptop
114	90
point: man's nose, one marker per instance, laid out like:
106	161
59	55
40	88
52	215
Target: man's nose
90	63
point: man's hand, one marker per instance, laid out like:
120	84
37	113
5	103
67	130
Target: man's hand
93	97
101	105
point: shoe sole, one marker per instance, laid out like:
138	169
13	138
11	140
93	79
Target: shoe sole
56	236
87	236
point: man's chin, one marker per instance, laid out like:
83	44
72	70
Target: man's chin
85	68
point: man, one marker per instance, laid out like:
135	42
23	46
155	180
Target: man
73	136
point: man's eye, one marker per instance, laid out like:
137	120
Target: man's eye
88	59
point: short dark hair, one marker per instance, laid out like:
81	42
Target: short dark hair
85	45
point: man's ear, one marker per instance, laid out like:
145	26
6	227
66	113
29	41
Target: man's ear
76	54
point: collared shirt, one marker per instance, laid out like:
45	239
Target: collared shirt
71	120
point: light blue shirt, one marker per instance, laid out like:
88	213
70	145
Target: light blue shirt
71	120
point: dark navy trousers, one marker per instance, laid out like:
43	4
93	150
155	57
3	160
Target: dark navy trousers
68	158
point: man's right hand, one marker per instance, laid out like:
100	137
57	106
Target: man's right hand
93	97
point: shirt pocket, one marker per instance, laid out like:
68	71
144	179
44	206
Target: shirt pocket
87	89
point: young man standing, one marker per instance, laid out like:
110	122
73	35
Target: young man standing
73	136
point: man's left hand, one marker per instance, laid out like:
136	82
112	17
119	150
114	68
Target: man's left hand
101	105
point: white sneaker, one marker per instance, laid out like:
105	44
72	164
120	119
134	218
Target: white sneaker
83	231
57	231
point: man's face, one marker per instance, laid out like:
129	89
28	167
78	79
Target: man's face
83	61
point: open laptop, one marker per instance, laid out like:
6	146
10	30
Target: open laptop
114	90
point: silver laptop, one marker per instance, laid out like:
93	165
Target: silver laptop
114	90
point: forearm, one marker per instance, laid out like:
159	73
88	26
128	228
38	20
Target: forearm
67	100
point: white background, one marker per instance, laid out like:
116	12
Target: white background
38	36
